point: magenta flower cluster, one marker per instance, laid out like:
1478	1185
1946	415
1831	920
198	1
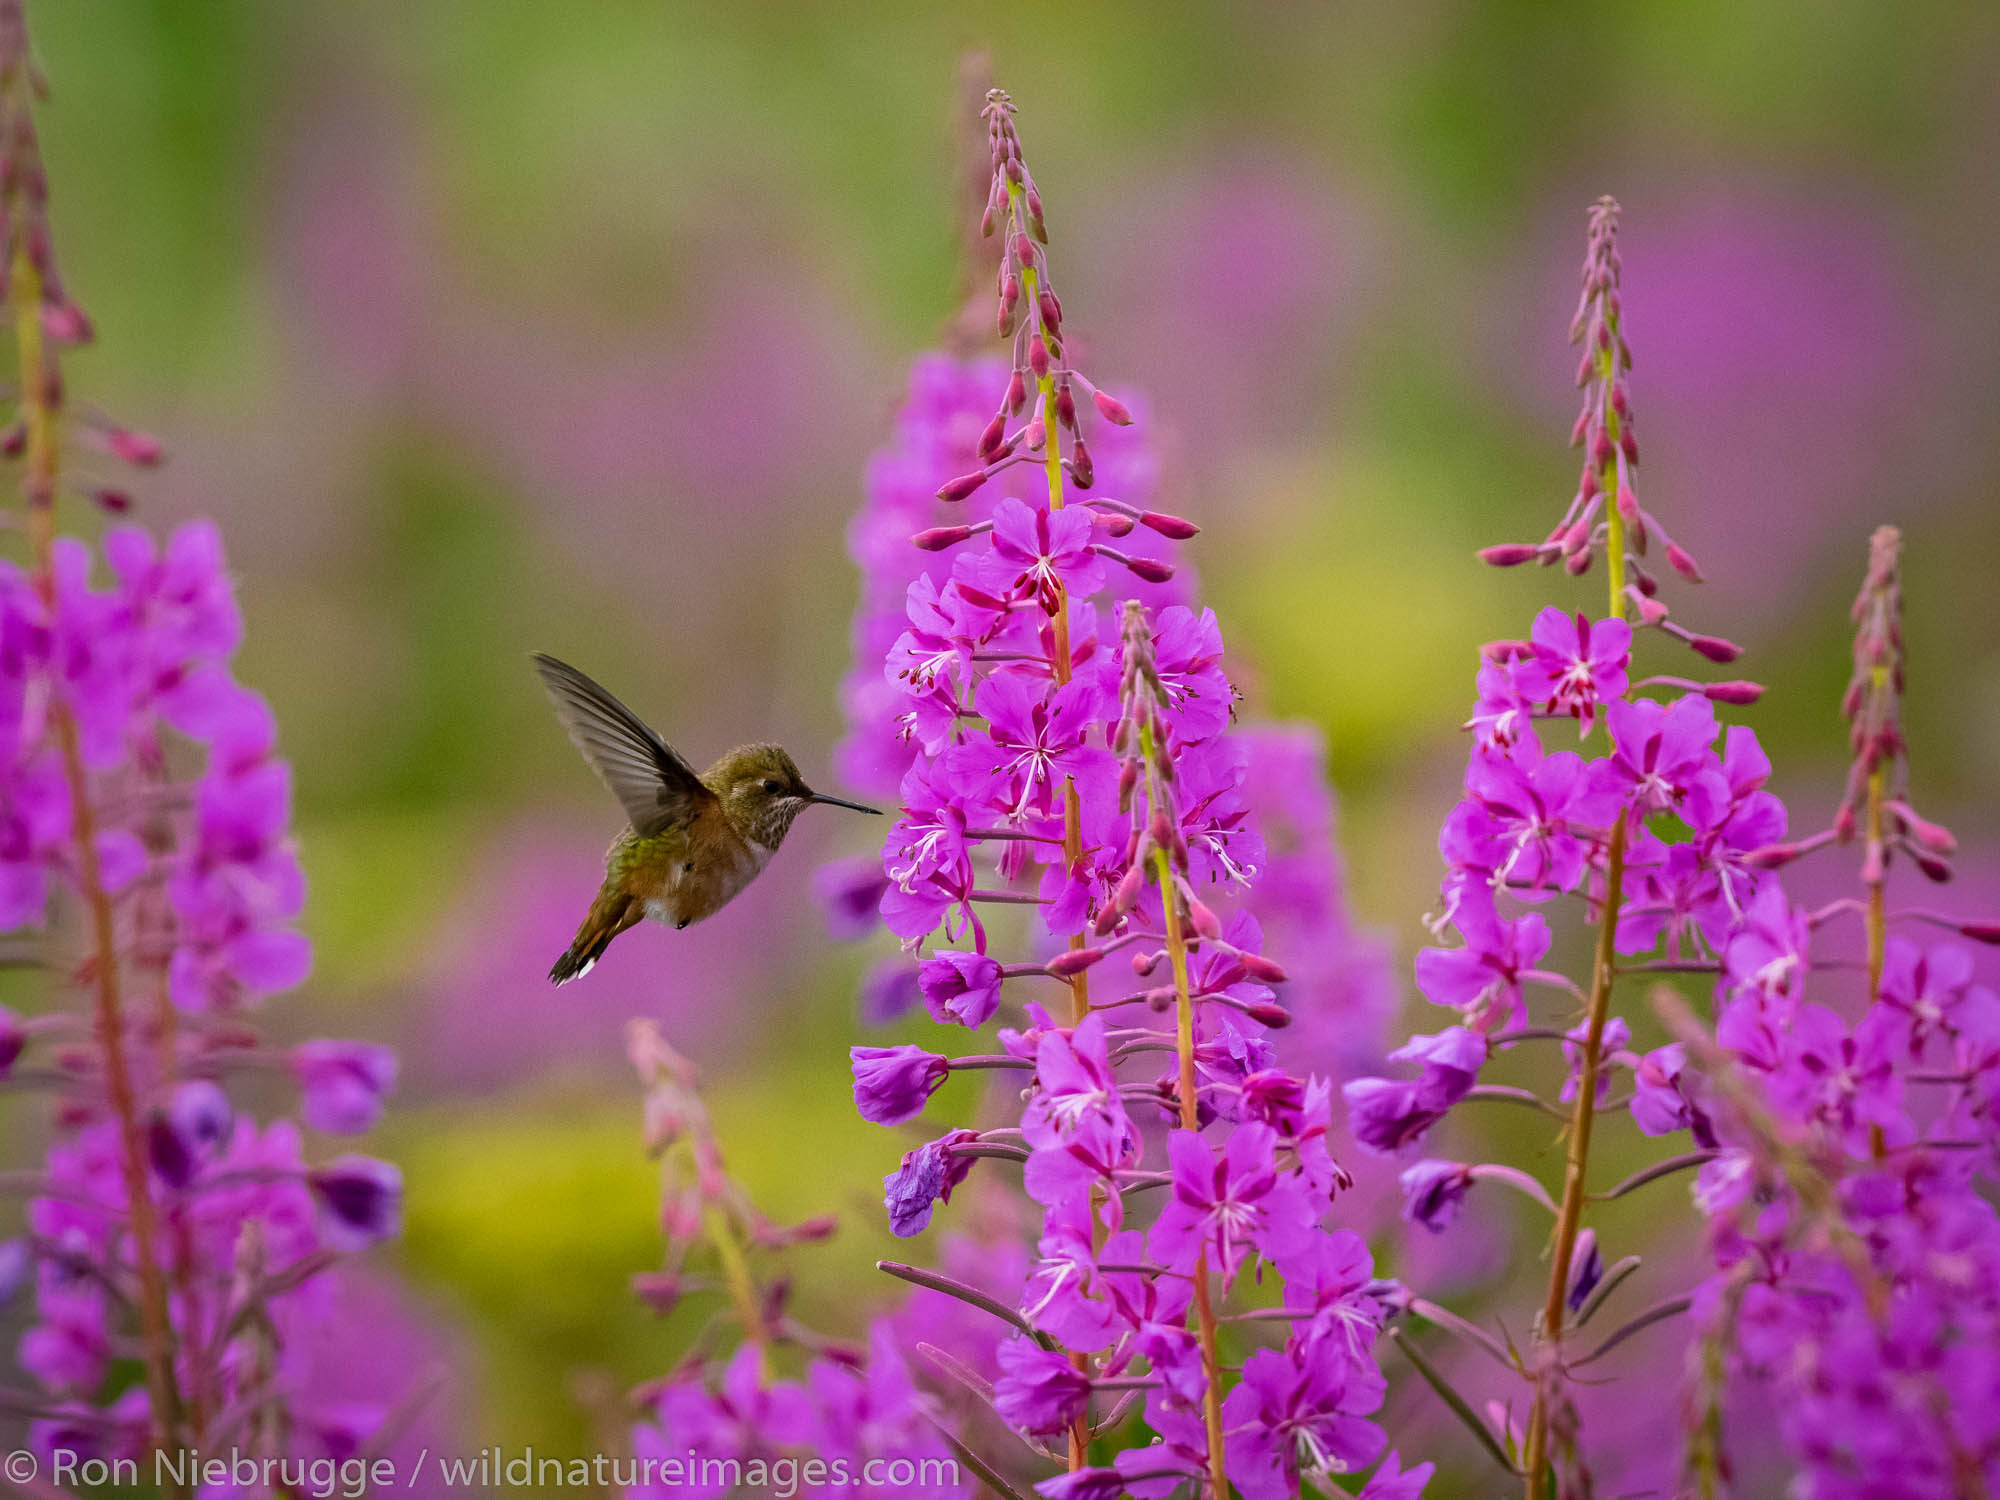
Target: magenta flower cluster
855	1422
140	791
1840	1112
1064	748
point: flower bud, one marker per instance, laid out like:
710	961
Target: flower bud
1081	469
1151	569
1072	961
1262	969
1203	920
1935	870
1715	648
1017	394
1269	1013
1174	527
1980	932
1682	563
134	448
1038	357
990	439
1733	692
937	538
1508	554
965	484
1112	409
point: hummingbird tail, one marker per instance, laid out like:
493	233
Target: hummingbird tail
610	914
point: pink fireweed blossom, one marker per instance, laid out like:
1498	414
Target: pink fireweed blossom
1062	717
169	1230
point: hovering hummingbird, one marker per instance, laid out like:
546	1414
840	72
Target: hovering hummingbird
694	841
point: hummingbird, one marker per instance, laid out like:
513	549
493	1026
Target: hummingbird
693	841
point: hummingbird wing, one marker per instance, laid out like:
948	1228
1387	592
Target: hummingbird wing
657	788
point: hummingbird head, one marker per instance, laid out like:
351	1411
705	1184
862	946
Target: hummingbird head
762	791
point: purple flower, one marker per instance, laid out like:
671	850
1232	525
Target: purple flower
1661	1103
1927	988
1768	955
1033	741
193	1127
344	1084
925	1178
1300	1412
1846	1079
1615	1036
960	986
1576	665
1663	757
1039	1390
1043	553
1076	1092
1483	978
1393	1482
892	1084
1227	1206
1514	826
1434	1191
361	1201
1387	1115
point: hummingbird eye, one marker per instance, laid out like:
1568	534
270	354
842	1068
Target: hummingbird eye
772	786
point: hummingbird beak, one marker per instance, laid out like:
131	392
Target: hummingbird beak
842	802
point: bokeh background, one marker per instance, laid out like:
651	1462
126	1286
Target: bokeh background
489	327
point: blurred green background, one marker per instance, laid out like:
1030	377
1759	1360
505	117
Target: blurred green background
488	327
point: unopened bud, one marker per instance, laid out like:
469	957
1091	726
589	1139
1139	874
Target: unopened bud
1715	648
1112	409
1112	524
1508	554
1169	526
1772	856
1733	692
135	448
1980	932
1038	356
1577	564
1682	563
1017	394
990	439
1933	836
965	484
1050	310
66	323
1151	569
1935	870
1269	1013
1652	611
1073	961
940	537
1066	407
1203	919
1081	469
1262	969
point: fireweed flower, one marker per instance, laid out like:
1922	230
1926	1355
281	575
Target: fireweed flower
1845	1153
856	1404
1056	714
165	1222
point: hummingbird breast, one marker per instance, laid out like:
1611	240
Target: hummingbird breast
688	874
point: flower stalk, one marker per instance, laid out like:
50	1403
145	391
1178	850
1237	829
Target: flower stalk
39	394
